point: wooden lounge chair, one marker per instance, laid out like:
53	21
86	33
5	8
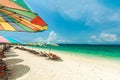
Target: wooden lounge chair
53	56
31	51
3	75
2	54
2	67
44	54
16	47
3	71
34	52
22	48
28	49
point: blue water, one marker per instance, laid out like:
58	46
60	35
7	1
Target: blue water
104	51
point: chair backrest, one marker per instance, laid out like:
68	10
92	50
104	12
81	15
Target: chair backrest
2	67
2	73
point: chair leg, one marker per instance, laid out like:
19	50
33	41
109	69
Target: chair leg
6	78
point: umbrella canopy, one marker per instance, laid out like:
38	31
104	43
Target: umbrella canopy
51	44
5	39
15	15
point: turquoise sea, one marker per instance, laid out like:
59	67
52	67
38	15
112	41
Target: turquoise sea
103	51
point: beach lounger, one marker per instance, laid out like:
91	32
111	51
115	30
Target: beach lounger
3	75
3	71
44	54
27	49
23	48
31	51
2	67
2	54
1	57
17	47
53	56
35	52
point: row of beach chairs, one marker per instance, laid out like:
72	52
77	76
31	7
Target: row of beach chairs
41	53
4	71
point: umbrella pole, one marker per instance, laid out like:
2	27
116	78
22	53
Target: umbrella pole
38	48
49	49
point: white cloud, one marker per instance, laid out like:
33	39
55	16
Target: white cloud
92	11
108	37
105	37
52	36
93	37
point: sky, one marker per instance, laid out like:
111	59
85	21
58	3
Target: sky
75	21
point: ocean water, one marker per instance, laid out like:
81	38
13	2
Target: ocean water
103	51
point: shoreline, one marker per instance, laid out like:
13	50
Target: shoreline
106	58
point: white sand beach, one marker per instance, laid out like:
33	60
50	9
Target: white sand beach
28	66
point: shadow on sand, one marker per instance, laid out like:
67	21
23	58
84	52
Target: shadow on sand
18	71
9	51
60	60
13	61
11	55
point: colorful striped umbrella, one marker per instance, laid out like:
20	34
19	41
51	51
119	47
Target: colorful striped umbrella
5	39
15	15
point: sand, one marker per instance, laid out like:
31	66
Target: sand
28	66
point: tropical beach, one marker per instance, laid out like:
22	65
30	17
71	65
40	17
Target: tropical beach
59	40
25	65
